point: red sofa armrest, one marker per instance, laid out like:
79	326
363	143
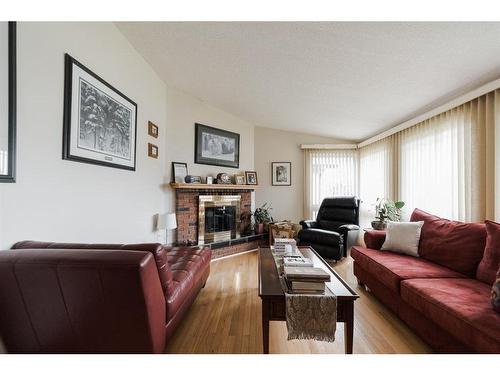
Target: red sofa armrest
374	239
81	301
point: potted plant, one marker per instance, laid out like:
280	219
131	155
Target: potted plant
386	210
262	216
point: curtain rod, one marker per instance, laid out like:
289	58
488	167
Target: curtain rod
484	89
345	146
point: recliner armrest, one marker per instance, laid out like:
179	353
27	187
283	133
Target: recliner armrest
348	227
307	224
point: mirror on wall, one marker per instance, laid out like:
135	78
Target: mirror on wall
7	101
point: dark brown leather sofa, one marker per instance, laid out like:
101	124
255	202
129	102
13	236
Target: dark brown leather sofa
96	298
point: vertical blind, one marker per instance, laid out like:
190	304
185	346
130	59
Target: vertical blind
375	170
329	173
444	165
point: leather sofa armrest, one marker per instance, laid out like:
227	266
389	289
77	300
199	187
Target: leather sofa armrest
374	239
101	301
308	224
348	227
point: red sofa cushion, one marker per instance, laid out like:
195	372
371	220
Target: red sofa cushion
391	268
459	306
188	268
456	245
488	266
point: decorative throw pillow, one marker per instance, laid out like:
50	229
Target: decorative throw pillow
495	293
403	237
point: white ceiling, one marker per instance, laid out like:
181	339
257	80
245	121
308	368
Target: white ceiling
345	80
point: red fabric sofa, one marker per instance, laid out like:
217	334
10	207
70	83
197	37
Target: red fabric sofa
442	295
96	298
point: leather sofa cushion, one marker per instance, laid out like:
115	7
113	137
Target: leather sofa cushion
488	266
188	268
156	249
460	306
321	236
456	245
391	269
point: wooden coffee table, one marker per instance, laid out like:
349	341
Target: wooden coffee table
273	297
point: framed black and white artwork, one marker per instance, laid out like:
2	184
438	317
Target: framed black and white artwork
100	123
281	173
7	102
216	147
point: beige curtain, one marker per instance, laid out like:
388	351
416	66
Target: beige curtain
445	164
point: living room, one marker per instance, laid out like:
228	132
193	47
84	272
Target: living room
163	181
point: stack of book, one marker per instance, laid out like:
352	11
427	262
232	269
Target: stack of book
307	280
284	245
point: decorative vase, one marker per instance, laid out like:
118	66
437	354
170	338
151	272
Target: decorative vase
259	228
379	225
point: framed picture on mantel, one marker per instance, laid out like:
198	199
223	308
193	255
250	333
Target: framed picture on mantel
100	122
216	147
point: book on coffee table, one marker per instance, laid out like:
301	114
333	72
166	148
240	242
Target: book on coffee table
306	274
297	261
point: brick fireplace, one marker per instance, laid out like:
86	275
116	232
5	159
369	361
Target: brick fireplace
188	218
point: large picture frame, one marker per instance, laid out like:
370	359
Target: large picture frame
8	105
281	173
100	122
216	147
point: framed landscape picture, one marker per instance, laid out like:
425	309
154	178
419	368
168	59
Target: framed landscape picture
281	173
100	123
216	147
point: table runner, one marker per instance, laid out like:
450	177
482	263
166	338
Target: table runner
308	316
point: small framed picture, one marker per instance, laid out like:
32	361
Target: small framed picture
281	173
179	171
251	178
239	179
152	129
152	151
210	180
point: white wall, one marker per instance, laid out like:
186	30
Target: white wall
183	111
277	145
58	200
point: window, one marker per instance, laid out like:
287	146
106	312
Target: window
374	176
330	173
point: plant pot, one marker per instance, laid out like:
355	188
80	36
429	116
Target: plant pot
379	225
259	228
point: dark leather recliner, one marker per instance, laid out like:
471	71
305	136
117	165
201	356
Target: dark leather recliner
335	229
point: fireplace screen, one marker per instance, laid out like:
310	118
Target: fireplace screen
218	218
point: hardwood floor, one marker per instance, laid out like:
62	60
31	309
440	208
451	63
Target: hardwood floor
226	318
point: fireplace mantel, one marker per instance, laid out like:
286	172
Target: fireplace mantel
176	186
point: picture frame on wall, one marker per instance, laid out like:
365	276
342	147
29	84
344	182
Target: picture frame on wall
216	147
100	122
152	129
8	102
179	172
281	173
251	178
153	151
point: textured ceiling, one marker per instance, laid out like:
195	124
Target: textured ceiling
344	80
